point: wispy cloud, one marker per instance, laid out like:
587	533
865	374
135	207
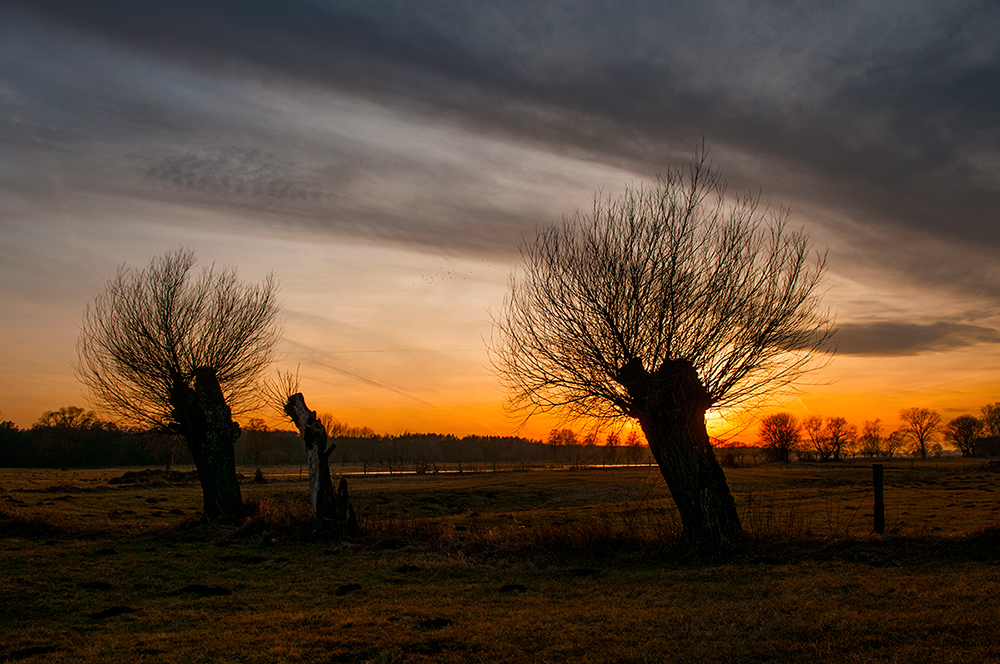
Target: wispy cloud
892	338
381	121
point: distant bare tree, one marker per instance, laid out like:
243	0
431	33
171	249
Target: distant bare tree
990	416
818	440
634	445
68	417
871	438
852	446
337	429
829	437
658	306
560	440
562	437
840	435
921	425
894	442
963	432
166	351
347	436
63	435
611	446
166	446
256	442
780	435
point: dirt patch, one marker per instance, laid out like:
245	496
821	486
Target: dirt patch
97	585
112	612
150	477
202	590
435	623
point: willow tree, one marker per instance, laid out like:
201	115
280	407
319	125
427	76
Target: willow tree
177	352
660	305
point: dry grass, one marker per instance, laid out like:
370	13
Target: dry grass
524	567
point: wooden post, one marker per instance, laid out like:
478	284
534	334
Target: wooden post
877	480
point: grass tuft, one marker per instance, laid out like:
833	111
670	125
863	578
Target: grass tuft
16	523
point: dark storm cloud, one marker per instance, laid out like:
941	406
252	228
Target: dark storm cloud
884	113
888	338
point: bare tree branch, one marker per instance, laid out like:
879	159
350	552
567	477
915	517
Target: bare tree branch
666	272
151	328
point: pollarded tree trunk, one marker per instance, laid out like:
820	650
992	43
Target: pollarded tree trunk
207	425
670	405
327	503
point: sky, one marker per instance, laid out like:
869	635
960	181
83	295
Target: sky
385	160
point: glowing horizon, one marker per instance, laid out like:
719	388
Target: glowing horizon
387	177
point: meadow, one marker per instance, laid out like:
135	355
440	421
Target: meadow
543	565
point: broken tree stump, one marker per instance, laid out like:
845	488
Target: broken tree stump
330	505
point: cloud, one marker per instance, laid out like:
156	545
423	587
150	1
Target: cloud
878	114
239	174
889	338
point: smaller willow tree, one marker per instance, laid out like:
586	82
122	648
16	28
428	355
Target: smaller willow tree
166	350
658	306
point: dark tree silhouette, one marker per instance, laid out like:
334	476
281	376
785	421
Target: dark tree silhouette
161	349
611	446
920	425
841	435
658	306
871	439
894	442
256	442
15	449
780	435
963	432
990	417
71	436
562	437
818	440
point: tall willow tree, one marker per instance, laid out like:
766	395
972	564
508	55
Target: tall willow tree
658	306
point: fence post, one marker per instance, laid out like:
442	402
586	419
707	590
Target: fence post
877	480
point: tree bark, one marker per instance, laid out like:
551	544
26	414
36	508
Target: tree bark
670	405
327	503
207	425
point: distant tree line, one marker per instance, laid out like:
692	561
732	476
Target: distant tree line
72	437
424	452
923	433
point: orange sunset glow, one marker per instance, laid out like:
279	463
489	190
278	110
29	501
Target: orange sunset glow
391	206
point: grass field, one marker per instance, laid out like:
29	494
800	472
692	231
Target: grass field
546	565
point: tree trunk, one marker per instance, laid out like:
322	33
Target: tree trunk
327	503
670	405
208	427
